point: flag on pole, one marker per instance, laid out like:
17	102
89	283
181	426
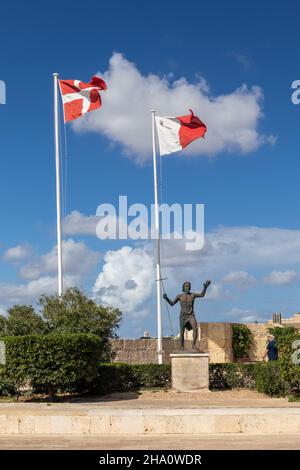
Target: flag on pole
175	133
79	97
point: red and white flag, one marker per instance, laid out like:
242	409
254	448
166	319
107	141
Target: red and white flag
80	98
175	133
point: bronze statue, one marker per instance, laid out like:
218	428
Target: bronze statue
187	317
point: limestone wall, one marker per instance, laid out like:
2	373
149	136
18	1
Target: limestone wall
214	338
260	336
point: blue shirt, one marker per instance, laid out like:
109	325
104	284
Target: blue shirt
272	350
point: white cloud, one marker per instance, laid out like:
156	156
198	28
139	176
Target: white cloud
12	293
245	316
126	280
40	272
236	249
18	253
76	223
232	119
280	277
240	279
78	259
217	292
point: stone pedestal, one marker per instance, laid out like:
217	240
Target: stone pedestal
190	372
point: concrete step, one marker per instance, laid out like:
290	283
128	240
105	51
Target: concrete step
129	421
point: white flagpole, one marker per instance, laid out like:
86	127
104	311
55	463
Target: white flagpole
157	235
58	198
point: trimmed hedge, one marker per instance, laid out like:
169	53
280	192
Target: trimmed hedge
122	377
152	375
269	379
112	377
289	359
232	375
51	361
7	388
264	377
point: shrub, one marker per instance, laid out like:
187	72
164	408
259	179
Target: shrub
152	375
231	375
112	377
74	312
269	379
121	377
289	355
7	388
289	352
241	340
52	361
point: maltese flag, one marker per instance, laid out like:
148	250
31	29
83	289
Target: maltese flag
175	133
80	98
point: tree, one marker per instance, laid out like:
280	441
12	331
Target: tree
74	312
3	323
23	320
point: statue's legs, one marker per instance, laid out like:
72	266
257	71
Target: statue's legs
182	337
193	323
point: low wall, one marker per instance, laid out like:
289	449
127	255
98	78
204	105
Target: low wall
215	338
143	351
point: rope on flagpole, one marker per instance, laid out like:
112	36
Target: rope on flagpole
161	247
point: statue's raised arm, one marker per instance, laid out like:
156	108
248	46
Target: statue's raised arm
206	284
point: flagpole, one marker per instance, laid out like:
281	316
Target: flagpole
157	236
58	197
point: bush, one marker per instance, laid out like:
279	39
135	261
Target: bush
52	361
7	388
289	355
73	312
269	379
241	340
152	375
121	377
289	352
112	377
231	375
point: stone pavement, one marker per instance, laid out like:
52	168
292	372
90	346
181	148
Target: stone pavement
154	413
151	442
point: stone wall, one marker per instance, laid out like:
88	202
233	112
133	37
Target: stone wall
143	351
214	338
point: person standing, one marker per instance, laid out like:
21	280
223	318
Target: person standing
271	349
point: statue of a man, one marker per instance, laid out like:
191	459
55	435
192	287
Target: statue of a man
187	317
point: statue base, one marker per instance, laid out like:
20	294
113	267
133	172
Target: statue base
190	371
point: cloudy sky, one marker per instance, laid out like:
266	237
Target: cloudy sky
233	64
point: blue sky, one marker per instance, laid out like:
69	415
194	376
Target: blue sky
249	186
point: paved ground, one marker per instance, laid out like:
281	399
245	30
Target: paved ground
159	399
158	442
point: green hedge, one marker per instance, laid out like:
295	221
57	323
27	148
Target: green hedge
232	375
152	375
51	361
112	377
289	359
264	377
7	388
121	377
269	379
